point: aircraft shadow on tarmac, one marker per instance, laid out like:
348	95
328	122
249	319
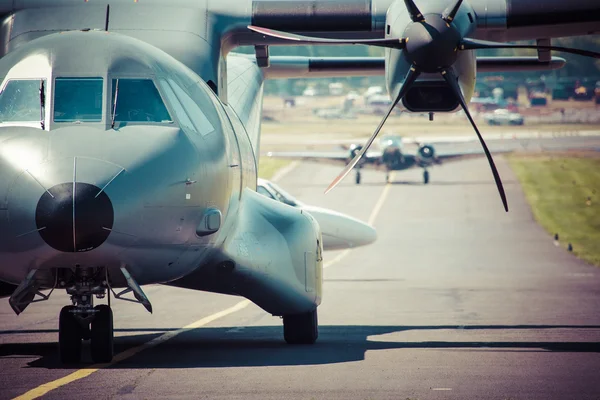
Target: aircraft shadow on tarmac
263	346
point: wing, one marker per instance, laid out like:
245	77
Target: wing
332	157
459	147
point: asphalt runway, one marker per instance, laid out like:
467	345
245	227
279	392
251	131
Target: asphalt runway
456	300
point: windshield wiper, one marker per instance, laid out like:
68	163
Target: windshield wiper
42	104
114	111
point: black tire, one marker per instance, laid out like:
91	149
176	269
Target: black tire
425	177
301	328
358	178
101	335
69	336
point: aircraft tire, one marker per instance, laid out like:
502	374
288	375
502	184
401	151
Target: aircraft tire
101	335
69	336
301	328
425	177
358	178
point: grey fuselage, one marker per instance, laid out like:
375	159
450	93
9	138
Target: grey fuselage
159	177
86	194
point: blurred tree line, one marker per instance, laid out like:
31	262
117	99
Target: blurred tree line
577	66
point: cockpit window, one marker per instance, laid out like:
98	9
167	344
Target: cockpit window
137	100
78	99
20	101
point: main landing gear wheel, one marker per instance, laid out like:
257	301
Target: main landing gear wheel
69	336
301	328
358	177
101	335
426	177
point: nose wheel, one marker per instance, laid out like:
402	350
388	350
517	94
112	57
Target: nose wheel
425	177
101	334
70	334
358	177
73	328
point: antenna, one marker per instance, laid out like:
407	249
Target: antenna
107	17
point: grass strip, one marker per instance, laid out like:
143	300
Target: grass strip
267	166
564	194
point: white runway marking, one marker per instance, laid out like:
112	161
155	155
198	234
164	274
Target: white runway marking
284	171
372	217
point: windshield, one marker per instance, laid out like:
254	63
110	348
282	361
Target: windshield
137	100
391	141
20	101
78	99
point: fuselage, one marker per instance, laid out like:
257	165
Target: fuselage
111	153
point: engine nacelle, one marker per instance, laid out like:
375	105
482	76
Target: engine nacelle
426	154
430	92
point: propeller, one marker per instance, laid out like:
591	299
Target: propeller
452	81
434	45
412	76
389	43
450	12
415	14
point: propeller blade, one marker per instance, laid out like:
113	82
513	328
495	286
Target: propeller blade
412	75
414	12
450	78
450	12
474	44
390	43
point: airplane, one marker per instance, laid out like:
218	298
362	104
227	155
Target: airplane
391	156
339	231
131	130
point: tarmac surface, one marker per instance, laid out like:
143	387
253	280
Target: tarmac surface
456	300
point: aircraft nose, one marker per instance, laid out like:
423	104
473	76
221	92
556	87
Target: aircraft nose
74	217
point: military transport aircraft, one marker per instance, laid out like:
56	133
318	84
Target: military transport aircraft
130	133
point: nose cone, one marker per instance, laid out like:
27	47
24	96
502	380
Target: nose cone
74	217
341	231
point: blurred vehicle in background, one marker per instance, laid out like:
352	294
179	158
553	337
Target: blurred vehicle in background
503	116
336	89
309	91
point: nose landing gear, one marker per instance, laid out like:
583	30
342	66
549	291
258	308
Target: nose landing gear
78	324
82	321
425	176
